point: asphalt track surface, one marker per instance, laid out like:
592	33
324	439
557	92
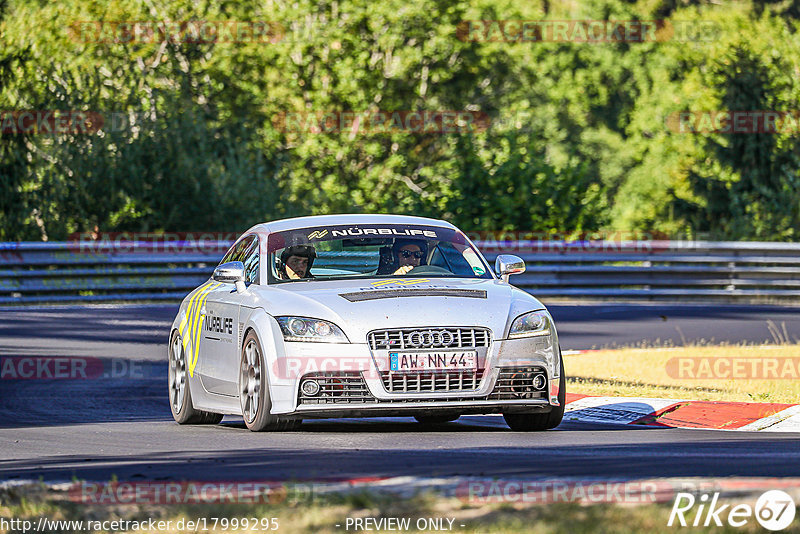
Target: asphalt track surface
120	424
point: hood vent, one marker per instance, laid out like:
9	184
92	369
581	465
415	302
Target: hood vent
359	296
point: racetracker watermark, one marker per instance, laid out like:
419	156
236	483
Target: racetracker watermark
151	242
49	122
734	122
62	122
197	524
509	241
186	492
726	368
292	367
187	31
334	372
68	368
586	31
381	122
564	491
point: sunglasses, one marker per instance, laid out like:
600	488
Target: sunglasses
407	254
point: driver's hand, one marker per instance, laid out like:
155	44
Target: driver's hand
404	269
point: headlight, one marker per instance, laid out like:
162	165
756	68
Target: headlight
537	323
313	330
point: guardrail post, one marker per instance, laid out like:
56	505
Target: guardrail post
731	276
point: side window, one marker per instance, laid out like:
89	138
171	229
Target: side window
251	261
237	251
227	257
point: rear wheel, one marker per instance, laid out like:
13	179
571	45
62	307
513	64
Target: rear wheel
526	422
254	391
180	397
435	419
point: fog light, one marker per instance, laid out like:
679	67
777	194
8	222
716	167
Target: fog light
309	388
539	382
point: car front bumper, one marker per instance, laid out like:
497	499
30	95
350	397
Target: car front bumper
356	377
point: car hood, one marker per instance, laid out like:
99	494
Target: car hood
359	306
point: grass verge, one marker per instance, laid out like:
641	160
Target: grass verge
768	373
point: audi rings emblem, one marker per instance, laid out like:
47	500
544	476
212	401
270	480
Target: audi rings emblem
430	338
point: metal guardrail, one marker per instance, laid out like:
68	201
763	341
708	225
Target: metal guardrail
677	270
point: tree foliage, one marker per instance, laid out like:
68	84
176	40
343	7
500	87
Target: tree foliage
578	139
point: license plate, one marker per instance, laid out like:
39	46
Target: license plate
432	361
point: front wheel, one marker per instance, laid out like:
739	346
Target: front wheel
180	397
254	391
526	422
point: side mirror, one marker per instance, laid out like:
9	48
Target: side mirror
505	265
231	272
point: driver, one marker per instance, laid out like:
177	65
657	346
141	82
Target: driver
296	262
409	253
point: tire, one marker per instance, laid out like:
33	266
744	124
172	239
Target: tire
527	422
435	419
180	396
254	390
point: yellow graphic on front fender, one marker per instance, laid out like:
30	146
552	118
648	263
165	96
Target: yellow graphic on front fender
192	323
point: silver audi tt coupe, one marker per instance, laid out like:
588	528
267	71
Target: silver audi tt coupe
363	316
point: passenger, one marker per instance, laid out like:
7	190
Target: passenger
296	262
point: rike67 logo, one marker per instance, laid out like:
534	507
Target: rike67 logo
774	510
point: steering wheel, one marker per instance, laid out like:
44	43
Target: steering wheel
428	269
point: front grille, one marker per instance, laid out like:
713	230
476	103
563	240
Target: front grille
337	388
429	338
515	383
431	382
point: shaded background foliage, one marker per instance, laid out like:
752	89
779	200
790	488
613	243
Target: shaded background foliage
577	142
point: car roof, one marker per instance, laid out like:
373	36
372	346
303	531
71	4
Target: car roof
345	218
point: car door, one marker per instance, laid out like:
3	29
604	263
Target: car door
220	328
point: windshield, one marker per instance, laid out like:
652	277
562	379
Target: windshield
371	251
